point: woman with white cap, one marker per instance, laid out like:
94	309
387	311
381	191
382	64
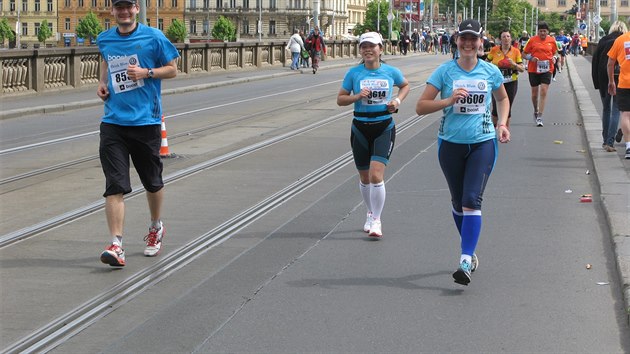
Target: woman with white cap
369	86
467	139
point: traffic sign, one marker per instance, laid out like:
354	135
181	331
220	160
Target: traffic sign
597	19
582	26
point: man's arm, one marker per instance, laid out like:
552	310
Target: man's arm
610	69
102	91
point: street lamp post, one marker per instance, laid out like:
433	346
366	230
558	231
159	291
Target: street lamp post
390	18
455	20
378	17
259	20
17	29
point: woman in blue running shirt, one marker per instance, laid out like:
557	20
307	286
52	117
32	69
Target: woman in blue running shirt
467	143
369	86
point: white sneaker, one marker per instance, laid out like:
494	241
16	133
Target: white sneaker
154	241
539	122
375	229
368	222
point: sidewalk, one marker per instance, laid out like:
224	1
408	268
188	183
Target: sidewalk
611	169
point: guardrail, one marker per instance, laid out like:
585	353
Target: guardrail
49	69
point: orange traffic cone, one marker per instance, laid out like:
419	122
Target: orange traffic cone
164	147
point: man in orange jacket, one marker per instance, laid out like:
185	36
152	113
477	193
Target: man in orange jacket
539	52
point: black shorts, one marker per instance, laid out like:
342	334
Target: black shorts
623	99
142	143
537	79
372	141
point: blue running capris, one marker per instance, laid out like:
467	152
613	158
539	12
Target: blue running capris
467	168
372	141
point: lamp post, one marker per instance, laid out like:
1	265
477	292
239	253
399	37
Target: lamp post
390	18
455	19
378	17
17	30
259	20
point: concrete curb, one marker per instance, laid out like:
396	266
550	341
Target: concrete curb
613	182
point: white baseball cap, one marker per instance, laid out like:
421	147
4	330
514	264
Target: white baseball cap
371	37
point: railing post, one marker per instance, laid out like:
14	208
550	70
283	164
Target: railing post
75	68
241	55
258	54
37	72
187	64
225	57
207	58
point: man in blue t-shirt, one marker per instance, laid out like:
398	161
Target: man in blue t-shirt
135	60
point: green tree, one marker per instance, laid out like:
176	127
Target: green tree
605	25
44	32
176	32
508	14
89	27
556	22
372	16
5	31
224	29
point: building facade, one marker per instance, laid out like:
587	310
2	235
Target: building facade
264	19
254	19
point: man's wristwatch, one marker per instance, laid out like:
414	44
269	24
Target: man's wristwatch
150	73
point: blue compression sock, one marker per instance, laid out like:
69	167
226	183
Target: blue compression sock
458	216
471	228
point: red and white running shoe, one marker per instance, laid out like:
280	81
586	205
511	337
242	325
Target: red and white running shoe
113	255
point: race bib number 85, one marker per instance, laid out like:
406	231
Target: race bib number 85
118	74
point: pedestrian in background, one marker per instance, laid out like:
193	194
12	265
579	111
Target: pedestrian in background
467	140
404	43
599	73
508	59
295	45
620	54
369	86
135	60
317	46
304	56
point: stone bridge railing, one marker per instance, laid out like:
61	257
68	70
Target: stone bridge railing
49	69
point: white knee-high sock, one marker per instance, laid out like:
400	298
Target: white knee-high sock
365	193
377	199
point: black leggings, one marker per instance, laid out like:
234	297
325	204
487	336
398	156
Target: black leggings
511	88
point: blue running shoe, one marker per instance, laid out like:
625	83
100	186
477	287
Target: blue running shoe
462	274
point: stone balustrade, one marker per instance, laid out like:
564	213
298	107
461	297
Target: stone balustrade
49	69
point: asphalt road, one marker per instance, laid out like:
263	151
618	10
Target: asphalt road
304	278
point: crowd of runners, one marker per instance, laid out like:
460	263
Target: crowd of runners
474	91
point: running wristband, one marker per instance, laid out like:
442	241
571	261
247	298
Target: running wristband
503	125
397	100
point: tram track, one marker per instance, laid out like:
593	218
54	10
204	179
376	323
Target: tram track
58	220
59	330
25	233
76	162
173	137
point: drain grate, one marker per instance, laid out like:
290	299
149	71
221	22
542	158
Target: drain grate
576	123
